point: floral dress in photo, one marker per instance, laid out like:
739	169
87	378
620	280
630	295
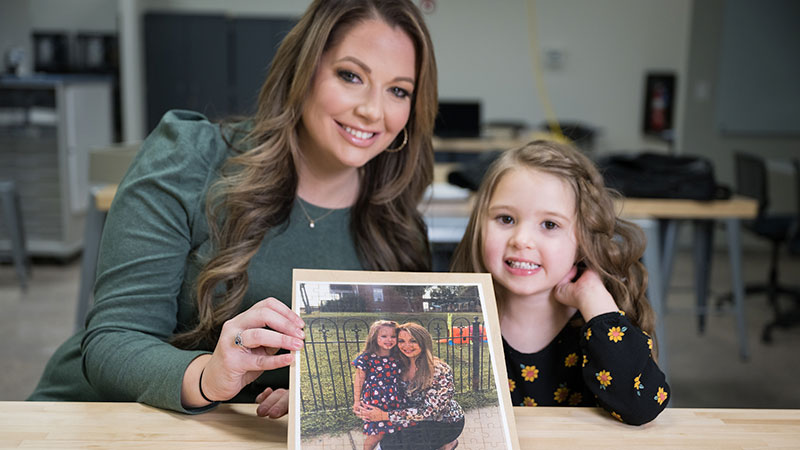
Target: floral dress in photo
380	389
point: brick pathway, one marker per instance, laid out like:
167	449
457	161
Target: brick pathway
482	430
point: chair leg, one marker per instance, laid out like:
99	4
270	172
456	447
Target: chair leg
12	211
782	319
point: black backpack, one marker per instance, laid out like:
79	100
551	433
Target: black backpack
655	175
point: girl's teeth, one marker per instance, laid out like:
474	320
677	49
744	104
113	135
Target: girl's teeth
359	134
522	265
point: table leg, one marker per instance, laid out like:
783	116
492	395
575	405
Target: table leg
655	288
737	283
703	238
668	232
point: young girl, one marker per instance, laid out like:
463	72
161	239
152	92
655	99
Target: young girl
570	288
375	381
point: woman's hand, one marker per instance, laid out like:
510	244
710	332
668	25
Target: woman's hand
371	413
245	349
273	403
587	294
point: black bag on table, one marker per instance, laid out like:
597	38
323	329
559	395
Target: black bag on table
655	175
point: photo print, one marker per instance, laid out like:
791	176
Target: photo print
398	360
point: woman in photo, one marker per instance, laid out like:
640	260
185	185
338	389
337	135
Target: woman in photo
429	389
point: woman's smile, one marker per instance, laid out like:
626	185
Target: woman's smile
408	345
360	100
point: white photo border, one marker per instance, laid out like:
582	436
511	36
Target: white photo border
352	277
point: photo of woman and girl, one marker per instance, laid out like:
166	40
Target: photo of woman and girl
403	393
570	289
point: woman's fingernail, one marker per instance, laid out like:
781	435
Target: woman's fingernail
297	344
301	334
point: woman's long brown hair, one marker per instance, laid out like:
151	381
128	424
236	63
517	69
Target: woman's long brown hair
258	186
607	244
425	363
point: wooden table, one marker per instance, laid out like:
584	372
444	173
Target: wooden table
235	426
476	145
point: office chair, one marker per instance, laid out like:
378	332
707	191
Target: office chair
752	181
787	318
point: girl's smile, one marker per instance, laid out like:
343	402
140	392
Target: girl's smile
387	338
529	242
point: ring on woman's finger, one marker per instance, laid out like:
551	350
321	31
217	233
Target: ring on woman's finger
238	340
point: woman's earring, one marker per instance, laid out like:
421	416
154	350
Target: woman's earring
405	141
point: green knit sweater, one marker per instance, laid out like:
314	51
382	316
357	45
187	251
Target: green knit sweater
149	260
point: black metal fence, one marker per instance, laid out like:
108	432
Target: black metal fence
331	344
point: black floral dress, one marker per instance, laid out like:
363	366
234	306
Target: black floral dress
606	362
380	389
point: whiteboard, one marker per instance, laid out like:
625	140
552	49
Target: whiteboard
759	76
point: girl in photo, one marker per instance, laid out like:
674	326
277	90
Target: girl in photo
375	381
570	289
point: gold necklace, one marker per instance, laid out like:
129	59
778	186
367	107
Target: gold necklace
311	222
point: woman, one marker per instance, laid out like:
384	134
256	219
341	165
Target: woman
209	221
429	387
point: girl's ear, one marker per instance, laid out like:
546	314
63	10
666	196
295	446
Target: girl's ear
581	266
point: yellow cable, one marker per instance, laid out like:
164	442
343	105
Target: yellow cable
552	120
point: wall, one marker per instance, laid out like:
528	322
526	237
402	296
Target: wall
701	133
484	51
15	32
73	15
19	18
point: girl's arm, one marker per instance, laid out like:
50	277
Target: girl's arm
358	382
618	367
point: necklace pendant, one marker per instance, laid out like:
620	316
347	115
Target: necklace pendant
311	224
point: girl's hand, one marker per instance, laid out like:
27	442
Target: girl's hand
245	348
272	403
371	413
356	407
587	294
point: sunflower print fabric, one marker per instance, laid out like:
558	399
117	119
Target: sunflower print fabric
606	362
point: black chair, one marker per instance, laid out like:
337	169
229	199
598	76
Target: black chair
779	229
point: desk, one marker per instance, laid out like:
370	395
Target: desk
658	218
475	145
235	426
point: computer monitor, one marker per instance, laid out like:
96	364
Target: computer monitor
460	118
